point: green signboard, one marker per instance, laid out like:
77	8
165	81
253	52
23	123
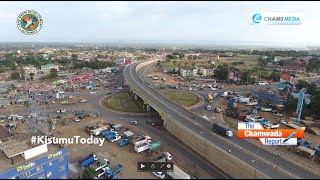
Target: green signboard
154	145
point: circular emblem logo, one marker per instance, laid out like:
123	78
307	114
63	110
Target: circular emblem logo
257	18
29	22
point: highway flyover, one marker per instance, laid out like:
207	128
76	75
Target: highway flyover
260	159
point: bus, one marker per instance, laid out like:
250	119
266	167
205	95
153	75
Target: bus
210	98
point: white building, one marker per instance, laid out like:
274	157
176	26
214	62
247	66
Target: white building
280	58
189	72
46	68
28	70
206	71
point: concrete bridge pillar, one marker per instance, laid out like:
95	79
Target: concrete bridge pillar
135	96
148	107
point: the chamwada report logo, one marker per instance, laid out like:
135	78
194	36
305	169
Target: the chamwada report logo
269	136
29	22
276	18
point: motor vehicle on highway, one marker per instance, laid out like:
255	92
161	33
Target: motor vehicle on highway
134	122
61	111
160	175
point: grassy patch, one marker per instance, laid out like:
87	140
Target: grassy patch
180	97
123	102
249	60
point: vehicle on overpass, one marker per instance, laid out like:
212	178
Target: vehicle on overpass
263	83
221	129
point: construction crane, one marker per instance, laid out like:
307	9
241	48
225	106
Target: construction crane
300	103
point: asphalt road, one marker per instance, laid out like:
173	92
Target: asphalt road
200	125
184	152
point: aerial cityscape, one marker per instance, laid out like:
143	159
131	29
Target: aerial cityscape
159	90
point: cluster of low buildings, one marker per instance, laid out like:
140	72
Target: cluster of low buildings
296	65
187	72
43	71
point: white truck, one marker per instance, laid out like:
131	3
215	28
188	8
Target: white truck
164	157
252	103
97	131
141	140
15	116
244	100
224	94
97	165
142	147
178	173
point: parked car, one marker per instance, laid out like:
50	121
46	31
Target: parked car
93	92
160	175
2	116
83	100
76	119
116	139
33	115
218	109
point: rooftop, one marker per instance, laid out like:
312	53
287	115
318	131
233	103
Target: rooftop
15	148
4	133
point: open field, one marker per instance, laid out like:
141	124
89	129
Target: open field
183	98
123	102
249	62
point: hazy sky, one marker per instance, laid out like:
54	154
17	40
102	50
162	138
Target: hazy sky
210	21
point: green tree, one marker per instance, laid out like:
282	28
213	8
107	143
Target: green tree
311	87
275	76
53	73
74	56
290	106
32	76
15	75
315	104
88	173
221	72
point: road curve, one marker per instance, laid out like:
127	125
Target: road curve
242	149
